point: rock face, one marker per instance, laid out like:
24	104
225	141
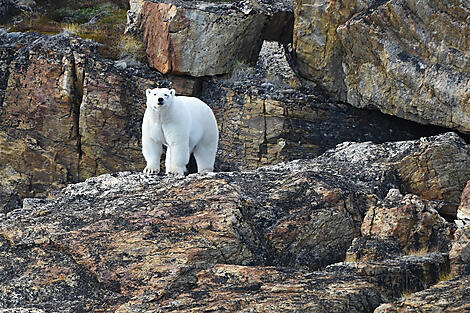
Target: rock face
446	296
264	120
206	39
62	120
130	243
413	223
396	56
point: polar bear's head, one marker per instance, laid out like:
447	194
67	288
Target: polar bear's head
159	97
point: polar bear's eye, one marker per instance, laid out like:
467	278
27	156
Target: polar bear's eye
166	95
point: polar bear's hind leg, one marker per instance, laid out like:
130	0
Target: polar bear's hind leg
205	157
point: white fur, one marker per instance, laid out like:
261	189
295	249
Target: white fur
185	125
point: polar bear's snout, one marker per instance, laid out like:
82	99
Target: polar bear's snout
160	101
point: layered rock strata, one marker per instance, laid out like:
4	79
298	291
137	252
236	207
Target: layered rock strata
397	56
207	39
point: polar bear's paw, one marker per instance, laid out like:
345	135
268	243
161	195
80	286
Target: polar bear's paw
148	170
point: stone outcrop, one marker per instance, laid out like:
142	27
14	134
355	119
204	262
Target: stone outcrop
127	242
207	39
396	56
413	223
398	275
264	120
446	296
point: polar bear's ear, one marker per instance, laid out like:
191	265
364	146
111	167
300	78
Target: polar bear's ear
148	91
172	92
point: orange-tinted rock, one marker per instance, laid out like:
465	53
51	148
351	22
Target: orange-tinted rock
413	223
199	39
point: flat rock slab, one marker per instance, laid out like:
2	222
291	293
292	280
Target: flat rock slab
446	296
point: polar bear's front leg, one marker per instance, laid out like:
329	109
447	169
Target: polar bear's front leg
179	157
152	152
168	160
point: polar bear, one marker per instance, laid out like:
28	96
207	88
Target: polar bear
185	125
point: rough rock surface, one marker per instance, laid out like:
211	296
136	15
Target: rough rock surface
399	275
402	58
413	223
264	118
206	39
128	242
446	296
463	212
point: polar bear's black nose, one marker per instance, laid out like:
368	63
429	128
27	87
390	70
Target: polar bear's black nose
160	100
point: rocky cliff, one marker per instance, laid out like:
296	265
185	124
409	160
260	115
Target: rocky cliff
401	57
252	241
330	194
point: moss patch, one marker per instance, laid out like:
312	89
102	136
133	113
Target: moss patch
103	22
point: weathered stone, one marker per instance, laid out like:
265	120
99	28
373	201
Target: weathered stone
126	241
400	275
411	61
39	116
431	175
460	252
463	212
446	296
318	49
265	289
199	40
111	111
372	248
413	223
396	56
264	121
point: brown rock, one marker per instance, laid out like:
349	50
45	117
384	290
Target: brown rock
199	40
111	112
460	252
433	176
413	223
446	296
410	60
396	56
399	275
318	49
66	114
266	289
141	243
39	121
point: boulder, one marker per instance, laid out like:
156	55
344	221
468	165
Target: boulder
201	40
399	275
413	223
395	56
206	38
